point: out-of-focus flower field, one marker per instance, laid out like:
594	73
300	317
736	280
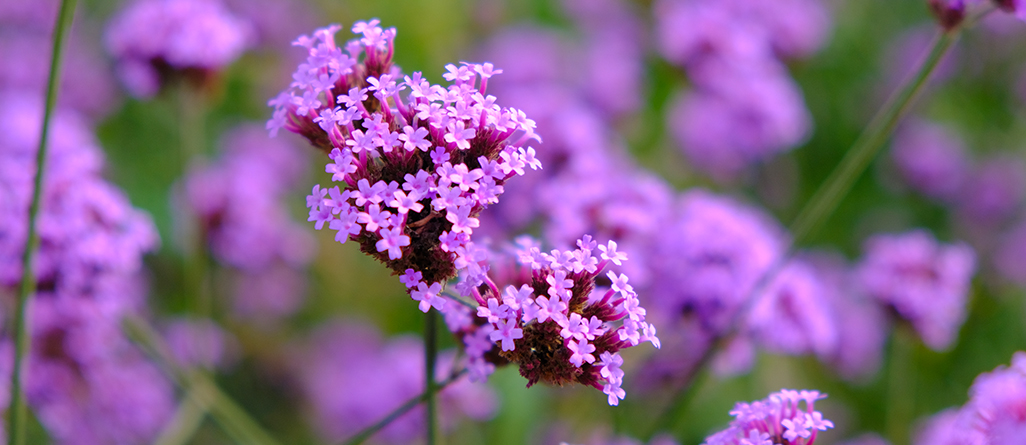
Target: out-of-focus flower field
603	221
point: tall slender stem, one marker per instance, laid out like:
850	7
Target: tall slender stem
430	357
366	433
16	409
232	418
869	143
900	387
821	205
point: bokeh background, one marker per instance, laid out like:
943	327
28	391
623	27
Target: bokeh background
869	46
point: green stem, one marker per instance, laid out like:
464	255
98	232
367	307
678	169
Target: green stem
866	147
366	433
430	357
821	205
186	421
16	409
191	133
232	418
900	388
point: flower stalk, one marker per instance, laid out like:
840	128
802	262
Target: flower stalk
17	410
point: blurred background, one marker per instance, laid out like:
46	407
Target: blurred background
292	325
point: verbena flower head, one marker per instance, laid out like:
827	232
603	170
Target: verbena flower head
153	39
949	13
931	159
560	316
417	162
776	420
353	377
925	282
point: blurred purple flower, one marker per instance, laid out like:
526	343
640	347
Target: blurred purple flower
712	255
353	378
200	343
862	325
793	315
993	191
993	414
931	158
153	38
925	282
240	201
1010	257
940	429
27	54
86	382
776	419
743	107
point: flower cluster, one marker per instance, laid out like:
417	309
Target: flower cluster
993	415
775	420
353	377
153	39
415	171
743	106
554	320
240	203
927	283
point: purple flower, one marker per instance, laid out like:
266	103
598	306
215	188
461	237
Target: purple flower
927	283
740	119
993	191
177	35
200	343
793	315
90	91
558	307
713	253
862	324
777	419
352	378
931	159
449	136
993	414
238	201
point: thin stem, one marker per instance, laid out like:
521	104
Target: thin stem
232	418
866	147
186	421
191	109
16	409
366	433
900	388
820	206
430	357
